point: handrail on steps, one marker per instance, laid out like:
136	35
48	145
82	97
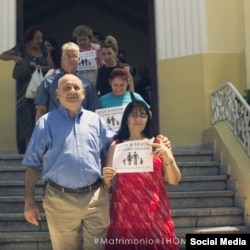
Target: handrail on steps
229	105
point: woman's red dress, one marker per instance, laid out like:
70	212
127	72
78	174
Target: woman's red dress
140	212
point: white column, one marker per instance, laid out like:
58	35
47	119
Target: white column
7	24
181	28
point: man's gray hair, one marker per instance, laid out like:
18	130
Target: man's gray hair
70	46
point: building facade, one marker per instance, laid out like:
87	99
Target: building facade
200	44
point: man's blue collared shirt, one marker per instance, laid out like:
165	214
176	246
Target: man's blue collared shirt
68	149
46	95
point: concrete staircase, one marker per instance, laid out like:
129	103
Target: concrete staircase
15	232
201	203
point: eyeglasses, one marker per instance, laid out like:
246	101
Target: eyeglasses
135	116
68	56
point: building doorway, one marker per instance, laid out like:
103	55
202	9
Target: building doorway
131	22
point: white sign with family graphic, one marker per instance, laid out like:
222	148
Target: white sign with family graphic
87	61
133	156
112	116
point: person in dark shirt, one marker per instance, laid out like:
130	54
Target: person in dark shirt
143	87
54	50
34	51
109	51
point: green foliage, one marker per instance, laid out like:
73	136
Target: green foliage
246	96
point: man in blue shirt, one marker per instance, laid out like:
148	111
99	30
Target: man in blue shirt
67	143
46	99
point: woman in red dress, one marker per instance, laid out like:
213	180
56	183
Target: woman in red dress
140	210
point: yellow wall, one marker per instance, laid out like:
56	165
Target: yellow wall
225	25
218	69
185	85
7	108
235	158
247	38
180	90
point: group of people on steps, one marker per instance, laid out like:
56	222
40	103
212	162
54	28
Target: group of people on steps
60	132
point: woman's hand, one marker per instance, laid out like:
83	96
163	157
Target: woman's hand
171	171
33	64
162	150
18	59
165	140
108	175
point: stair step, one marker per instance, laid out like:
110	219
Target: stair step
15	204
10	157
25	241
17	183
199	183
16	216
201	199
10	160
193	155
204	211
15	222
5	168
221	216
199	168
26	236
202	194
181	232
16	188
13	172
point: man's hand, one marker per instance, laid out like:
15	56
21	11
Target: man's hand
31	213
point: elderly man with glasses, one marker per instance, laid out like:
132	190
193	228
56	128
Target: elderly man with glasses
46	99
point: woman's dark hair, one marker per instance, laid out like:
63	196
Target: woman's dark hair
30	33
56	53
98	36
123	133
52	41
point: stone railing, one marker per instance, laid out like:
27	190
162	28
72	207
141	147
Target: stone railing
229	105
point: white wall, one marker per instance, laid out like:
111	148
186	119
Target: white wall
7	24
181	28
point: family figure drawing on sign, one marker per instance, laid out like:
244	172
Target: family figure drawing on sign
130	157
112	121
85	62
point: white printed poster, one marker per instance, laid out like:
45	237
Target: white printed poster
133	156
112	116
87	60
